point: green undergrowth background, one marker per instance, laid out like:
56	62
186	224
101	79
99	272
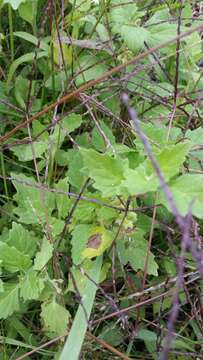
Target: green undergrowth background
84	221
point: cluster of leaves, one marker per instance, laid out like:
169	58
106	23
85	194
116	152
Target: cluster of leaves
74	192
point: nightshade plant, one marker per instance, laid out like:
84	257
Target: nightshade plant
85	225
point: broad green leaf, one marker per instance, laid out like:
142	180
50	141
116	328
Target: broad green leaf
55	318
24	58
27	153
123	13
63	201
61	157
12	259
99	240
187	192
106	171
14	3
44	255
97	139
150	340
170	159
81	5
133	249
89	69
157	134
112	335
135	37
143	179
33	204
76	336
9	300
75	177
22	239
138	181
28	12
86	212
56	226
71	122
31	286
195	136
32	39
21	92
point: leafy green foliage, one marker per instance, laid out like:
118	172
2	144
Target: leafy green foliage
55	318
77	188
187	187
31	286
33	203
9	300
106	171
44	255
133	249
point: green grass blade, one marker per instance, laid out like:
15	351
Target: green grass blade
76	336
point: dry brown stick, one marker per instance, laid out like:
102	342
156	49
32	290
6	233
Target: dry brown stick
100	79
107	346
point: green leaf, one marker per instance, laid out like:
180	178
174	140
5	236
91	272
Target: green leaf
187	191
44	255
170	159
81	5
31	286
56	226
32	39
63	201
75	177
123	13
138	181
89	69
71	122
86	212
9	300
12	259
55	318
28	11
134	37
33	204
143	179
97	139
106	171
24	58
196	136
133	249
14	3
25	152
22	239
112	335
150	340
76	336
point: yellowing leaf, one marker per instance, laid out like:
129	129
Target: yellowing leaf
98	242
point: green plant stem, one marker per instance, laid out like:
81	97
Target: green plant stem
4	174
10	19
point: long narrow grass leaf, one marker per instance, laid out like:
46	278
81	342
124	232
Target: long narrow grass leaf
76	336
